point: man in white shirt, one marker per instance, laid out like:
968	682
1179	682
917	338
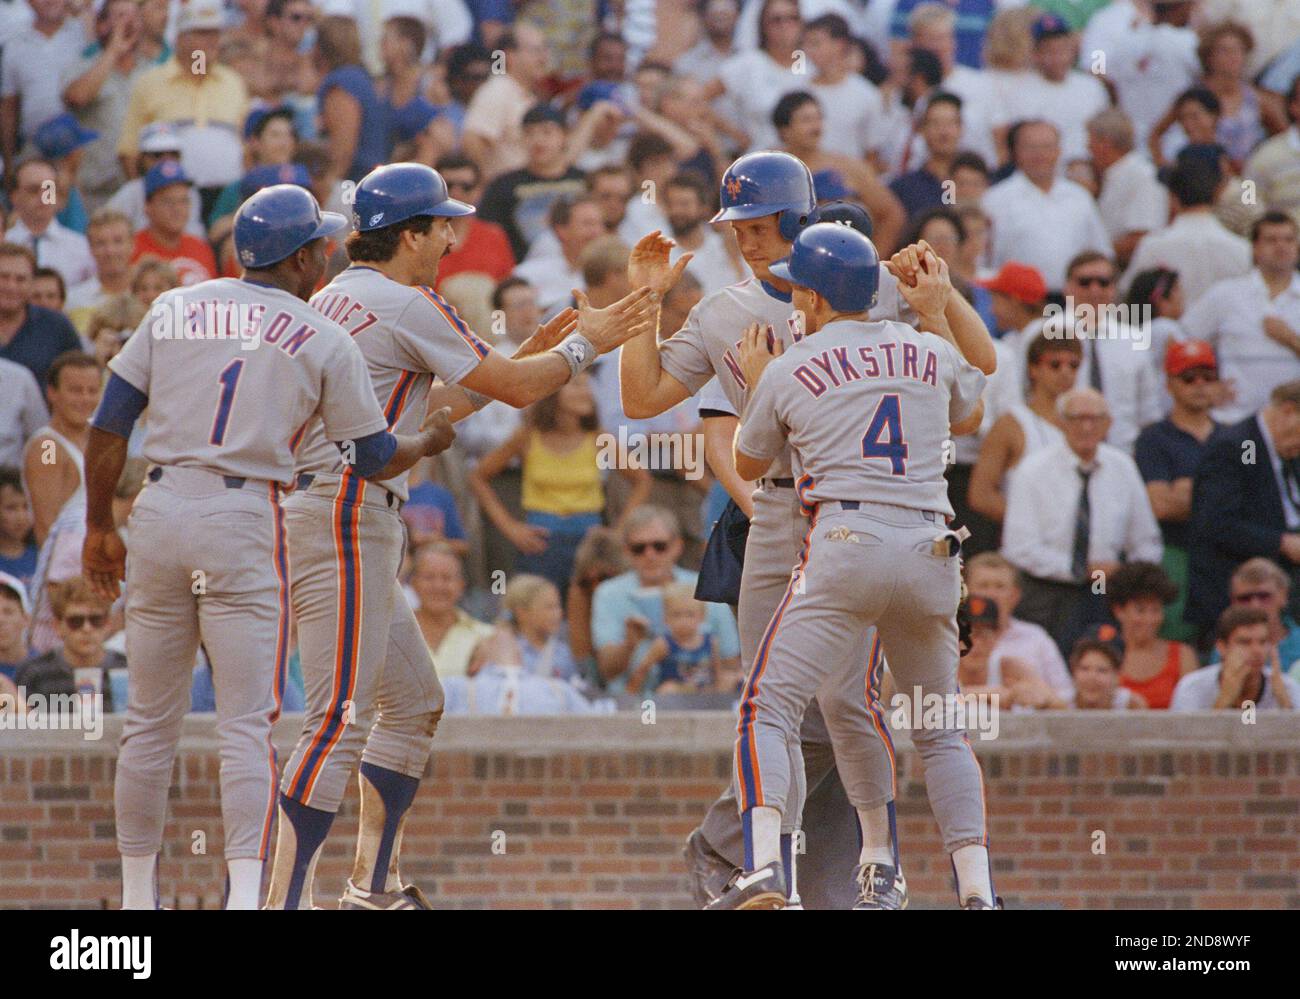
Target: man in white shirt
1132	201
933	29
687	204
493	129
110	237
1039	218
30	71
1075	512
1147	51
1248	671
991	576
36	228
718	21
1195	244
853	109
1253	321
1116	352
575	222
1059	93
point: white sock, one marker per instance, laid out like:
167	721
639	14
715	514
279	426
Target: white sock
877	847
972	865
765	827
245	883
138	890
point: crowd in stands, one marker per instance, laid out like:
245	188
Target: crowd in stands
1115	186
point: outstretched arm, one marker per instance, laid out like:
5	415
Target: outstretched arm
646	388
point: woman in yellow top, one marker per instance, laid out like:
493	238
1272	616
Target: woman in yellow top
563	481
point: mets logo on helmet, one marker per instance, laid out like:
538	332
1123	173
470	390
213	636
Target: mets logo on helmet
374	219
246	257
733	186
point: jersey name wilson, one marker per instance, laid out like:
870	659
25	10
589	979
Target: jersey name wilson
835	367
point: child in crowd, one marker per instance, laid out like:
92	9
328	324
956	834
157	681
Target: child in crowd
531	633
14	614
111	325
563	491
82	622
686	657
1095	666
17	544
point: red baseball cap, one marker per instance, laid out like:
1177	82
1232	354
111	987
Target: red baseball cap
1020	281
1183	355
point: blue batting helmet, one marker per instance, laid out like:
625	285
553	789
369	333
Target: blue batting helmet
768	183
277	221
848	213
837	262
399	191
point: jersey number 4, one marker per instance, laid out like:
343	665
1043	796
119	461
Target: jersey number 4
887	420
229	383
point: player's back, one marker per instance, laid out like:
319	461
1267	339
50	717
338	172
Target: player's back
868	407
231	370
407	333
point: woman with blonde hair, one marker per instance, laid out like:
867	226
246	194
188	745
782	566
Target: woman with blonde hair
150	278
1009	68
111	324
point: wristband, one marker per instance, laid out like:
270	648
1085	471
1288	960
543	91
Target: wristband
578	352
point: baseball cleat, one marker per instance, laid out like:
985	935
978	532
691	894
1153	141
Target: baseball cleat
760	889
979	902
881	887
410	897
708	871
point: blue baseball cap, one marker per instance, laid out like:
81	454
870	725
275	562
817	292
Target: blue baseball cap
267	176
1050	26
596	90
258	117
62	135
164	174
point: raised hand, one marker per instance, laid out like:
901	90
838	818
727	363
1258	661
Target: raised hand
614	325
648	263
549	333
931	285
759	346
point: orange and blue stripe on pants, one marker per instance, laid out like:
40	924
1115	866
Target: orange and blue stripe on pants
281	562
748	770
345	517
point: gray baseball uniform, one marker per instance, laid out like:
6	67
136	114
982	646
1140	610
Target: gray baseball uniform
230	369
370	680
705	347
867	408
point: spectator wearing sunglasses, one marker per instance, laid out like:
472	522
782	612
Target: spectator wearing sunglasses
1253	321
628	609
1167	454
1259	583
481	247
82	622
1026	428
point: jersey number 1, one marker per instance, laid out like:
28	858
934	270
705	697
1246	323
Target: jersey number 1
888	418
229	382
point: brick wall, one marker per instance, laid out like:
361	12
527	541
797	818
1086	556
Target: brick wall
1198	811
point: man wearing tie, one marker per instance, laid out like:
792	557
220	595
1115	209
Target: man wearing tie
1075	512
1246	503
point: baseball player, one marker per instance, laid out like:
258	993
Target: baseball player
869	409
229	369
768	198
372	691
